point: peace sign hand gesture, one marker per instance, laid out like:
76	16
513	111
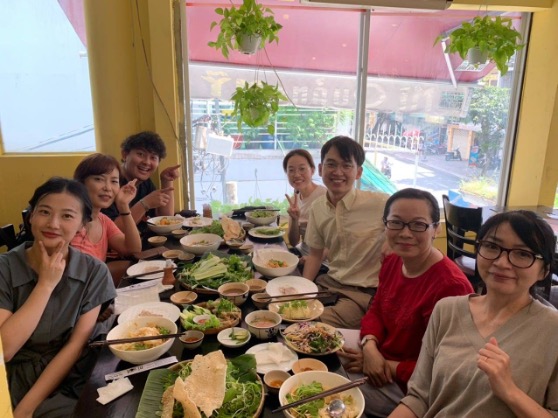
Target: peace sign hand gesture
293	210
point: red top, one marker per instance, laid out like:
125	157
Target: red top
402	307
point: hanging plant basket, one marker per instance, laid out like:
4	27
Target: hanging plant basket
495	37
249	44
477	57
254	104
248	20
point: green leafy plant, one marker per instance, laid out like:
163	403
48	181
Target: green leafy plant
249	19
254	104
496	38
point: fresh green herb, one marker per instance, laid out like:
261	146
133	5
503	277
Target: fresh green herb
212	271
262	213
309	409
214	228
190	312
269	231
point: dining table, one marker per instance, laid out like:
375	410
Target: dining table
126	405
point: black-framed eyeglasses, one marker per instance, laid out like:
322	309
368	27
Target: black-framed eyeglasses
415	226
522	259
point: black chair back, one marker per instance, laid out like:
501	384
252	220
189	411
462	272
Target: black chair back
462	226
8	236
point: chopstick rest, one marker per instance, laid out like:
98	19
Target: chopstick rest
114	390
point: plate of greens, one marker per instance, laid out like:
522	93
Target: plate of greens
266	232
213	270
218	315
214	228
242	389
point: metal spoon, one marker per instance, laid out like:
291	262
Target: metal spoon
336	408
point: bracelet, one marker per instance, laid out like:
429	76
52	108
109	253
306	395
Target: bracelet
144	205
125	213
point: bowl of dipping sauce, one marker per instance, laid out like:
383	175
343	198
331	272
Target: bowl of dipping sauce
157	240
192	339
263	324
179	233
237	293
186	257
308	365
274	379
185	297
172	254
261	300
256	285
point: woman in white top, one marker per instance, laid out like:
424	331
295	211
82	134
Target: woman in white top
299	167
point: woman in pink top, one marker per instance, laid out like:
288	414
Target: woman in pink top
101	176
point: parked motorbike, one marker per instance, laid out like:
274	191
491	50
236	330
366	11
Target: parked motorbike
454	155
386	170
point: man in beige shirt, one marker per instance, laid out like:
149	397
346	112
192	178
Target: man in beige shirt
348	222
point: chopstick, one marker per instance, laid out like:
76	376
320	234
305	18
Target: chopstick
286	300
325	393
135	339
293	295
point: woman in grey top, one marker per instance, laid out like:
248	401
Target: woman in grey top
50	297
493	355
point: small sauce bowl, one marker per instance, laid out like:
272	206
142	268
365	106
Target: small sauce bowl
192	339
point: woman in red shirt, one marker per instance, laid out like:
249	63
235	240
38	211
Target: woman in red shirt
412	279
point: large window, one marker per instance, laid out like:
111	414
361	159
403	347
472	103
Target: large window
441	123
45	104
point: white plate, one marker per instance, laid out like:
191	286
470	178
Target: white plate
315	306
153	265
197	222
284	365
287	285
167	310
256	232
224	337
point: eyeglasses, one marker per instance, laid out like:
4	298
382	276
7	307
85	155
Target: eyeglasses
522	259
415	226
345	167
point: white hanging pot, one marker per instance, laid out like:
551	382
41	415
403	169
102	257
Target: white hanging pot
476	57
249	44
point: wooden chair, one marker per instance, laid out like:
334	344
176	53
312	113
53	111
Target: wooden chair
462	226
8	236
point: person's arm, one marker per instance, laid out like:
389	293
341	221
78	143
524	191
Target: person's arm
17	327
402	411
60	365
313	263
495	362
168	176
129	241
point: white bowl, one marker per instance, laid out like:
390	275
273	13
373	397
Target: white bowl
256	285
265	220
208	242
261	300
263	331
224	337
328	380
192	339
262	257
274	379
154	224
157	240
236	292
141	356
308	364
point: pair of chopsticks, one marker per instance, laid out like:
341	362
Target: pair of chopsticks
325	393
135	339
295	296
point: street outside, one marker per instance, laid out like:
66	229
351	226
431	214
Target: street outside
258	174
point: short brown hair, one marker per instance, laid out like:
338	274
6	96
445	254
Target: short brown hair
96	164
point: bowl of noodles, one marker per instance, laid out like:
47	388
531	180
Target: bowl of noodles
165	224
275	263
146	351
304	385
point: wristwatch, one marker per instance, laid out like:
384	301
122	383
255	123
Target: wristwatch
145	207
365	339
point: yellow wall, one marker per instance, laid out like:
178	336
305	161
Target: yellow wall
133	92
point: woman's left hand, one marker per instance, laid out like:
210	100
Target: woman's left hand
495	363
126	194
355	360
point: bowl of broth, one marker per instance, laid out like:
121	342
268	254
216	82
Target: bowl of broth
237	293
264	325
